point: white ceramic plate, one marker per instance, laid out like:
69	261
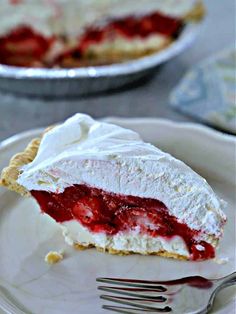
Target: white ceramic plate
29	285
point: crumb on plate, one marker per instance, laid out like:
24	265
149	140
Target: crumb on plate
53	257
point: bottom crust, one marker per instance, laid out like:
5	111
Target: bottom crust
79	246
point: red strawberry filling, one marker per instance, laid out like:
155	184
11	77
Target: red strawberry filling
129	27
101	211
25	47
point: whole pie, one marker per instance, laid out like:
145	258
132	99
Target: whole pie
78	33
107	188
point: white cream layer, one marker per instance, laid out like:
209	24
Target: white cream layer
126	46
59	16
132	241
108	157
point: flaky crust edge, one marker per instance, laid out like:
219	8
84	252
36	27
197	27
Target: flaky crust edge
197	13
11	173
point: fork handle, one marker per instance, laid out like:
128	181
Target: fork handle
228	280
222	283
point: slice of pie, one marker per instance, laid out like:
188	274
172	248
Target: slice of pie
109	189
81	33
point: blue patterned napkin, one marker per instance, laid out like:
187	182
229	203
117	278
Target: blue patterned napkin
208	91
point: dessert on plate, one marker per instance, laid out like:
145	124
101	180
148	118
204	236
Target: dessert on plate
107	188
79	33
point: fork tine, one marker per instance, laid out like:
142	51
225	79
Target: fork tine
134	302
135	292
125	310
133	283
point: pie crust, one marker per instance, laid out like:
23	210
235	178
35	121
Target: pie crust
197	13
11	173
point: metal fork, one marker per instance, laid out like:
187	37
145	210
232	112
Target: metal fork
193	295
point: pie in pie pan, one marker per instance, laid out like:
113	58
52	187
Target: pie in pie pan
58	34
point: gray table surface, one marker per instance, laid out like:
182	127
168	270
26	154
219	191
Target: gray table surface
150	99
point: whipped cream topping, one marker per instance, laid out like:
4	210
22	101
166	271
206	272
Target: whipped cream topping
60	17
109	157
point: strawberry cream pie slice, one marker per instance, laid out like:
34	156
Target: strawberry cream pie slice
107	188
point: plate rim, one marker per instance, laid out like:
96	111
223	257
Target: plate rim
188	126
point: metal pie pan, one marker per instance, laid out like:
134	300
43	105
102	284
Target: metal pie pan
83	81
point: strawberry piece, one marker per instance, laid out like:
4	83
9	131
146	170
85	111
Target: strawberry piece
87	210
150	221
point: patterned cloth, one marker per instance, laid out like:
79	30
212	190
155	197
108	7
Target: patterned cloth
208	91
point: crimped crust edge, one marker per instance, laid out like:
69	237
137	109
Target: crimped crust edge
11	173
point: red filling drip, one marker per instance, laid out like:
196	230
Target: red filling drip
101	211
24	47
